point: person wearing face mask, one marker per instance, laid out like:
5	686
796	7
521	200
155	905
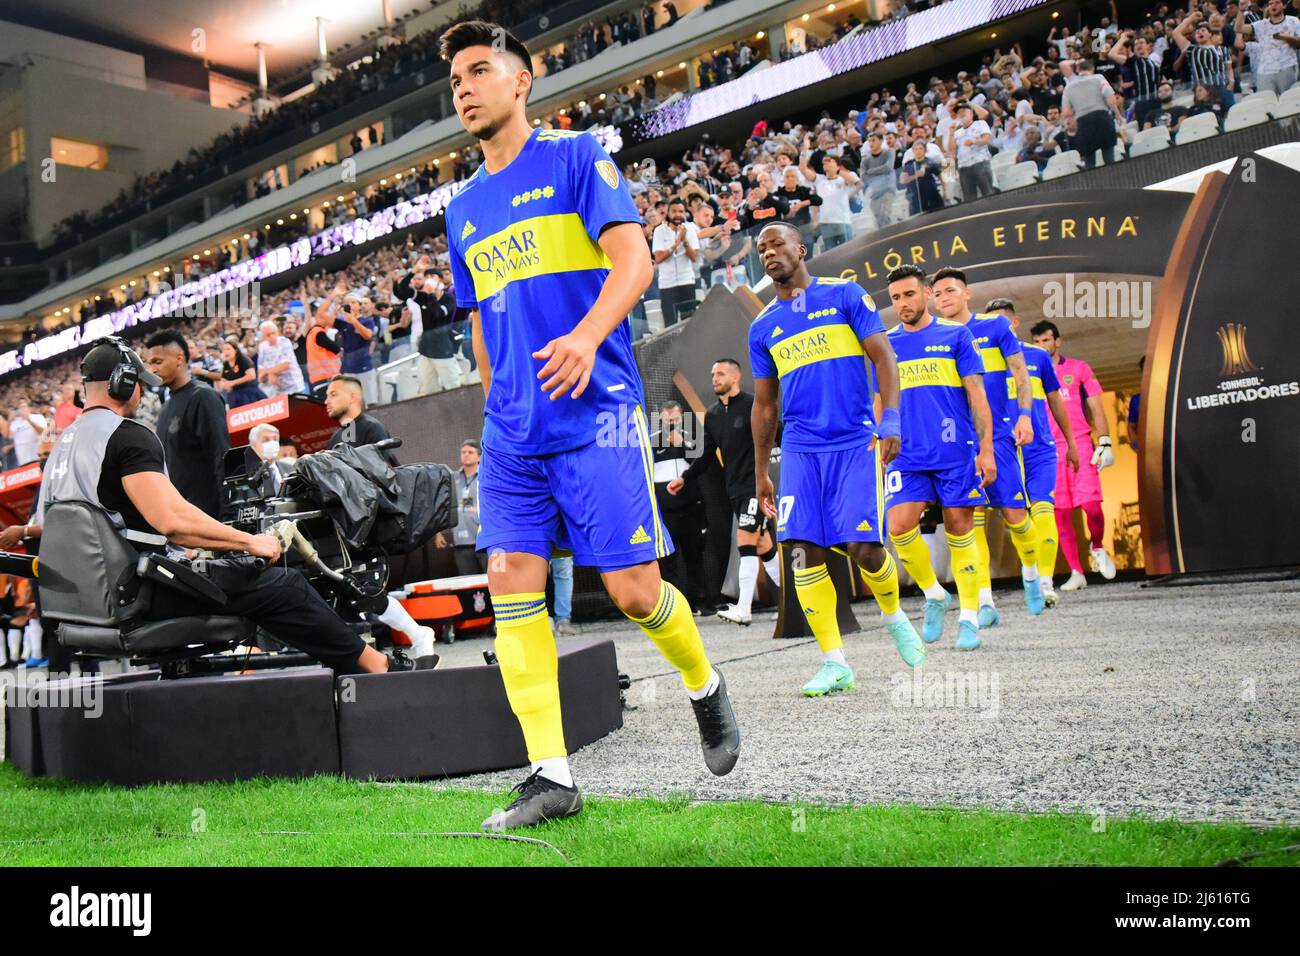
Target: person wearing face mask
263	456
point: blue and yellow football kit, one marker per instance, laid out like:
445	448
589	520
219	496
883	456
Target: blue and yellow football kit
1040	455
937	459
567	473
996	341
812	344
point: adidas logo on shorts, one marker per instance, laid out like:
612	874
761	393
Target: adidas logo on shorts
975	493
640	537
865	526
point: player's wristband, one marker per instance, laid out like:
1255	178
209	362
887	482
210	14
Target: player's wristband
890	426
1104	441
1027	412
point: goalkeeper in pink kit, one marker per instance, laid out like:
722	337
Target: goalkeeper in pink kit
1079	488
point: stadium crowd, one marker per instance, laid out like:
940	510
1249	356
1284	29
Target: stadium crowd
905	152
393	302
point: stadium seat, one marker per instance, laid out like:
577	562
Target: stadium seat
1062	164
1149	141
1267	97
1201	126
1021	174
1288	104
1247	113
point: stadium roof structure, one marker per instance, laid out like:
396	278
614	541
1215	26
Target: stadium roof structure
230	30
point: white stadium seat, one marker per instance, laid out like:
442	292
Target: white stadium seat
1062	164
1021	174
1288	104
1247	113
1149	141
1267	97
1200	126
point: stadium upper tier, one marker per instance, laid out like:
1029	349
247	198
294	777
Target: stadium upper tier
436	140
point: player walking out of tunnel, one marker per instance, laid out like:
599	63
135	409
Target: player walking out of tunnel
1079	487
806	348
1010	398
547	253
947	455
1039	456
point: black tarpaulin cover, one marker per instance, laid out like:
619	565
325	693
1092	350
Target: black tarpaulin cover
374	505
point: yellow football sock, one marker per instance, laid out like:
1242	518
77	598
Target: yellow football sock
816	593
884	584
965	569
915	557
530	670
1025	537
1044	518
672	628
985	576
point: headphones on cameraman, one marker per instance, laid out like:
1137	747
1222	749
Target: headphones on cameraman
125	375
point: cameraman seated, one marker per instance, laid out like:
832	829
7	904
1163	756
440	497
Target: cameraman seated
110	461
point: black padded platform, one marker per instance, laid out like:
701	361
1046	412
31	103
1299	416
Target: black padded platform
195	730
457	721
291	724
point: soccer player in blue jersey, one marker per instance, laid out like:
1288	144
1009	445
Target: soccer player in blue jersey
1006	384
547	252
947	456
808	348
1039	456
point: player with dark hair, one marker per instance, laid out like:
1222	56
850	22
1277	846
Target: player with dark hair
1039	456
1010	398
548	255
729	442
807	348
1079	487
947	455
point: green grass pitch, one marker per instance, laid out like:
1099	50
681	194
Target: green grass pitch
330	821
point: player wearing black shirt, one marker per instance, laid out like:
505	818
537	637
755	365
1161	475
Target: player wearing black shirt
729	439
191	425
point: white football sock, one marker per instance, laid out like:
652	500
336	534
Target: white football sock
836	656
555	769
896	618
972	616
773	568
32	638
15	637
748	578
935	592
986	597
708	688
1029	572
397	618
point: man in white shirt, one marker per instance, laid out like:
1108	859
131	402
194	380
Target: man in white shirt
25	430
969	139
676	248
1278	36
836	184
277	366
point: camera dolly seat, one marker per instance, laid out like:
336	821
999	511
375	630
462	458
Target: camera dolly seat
97	589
